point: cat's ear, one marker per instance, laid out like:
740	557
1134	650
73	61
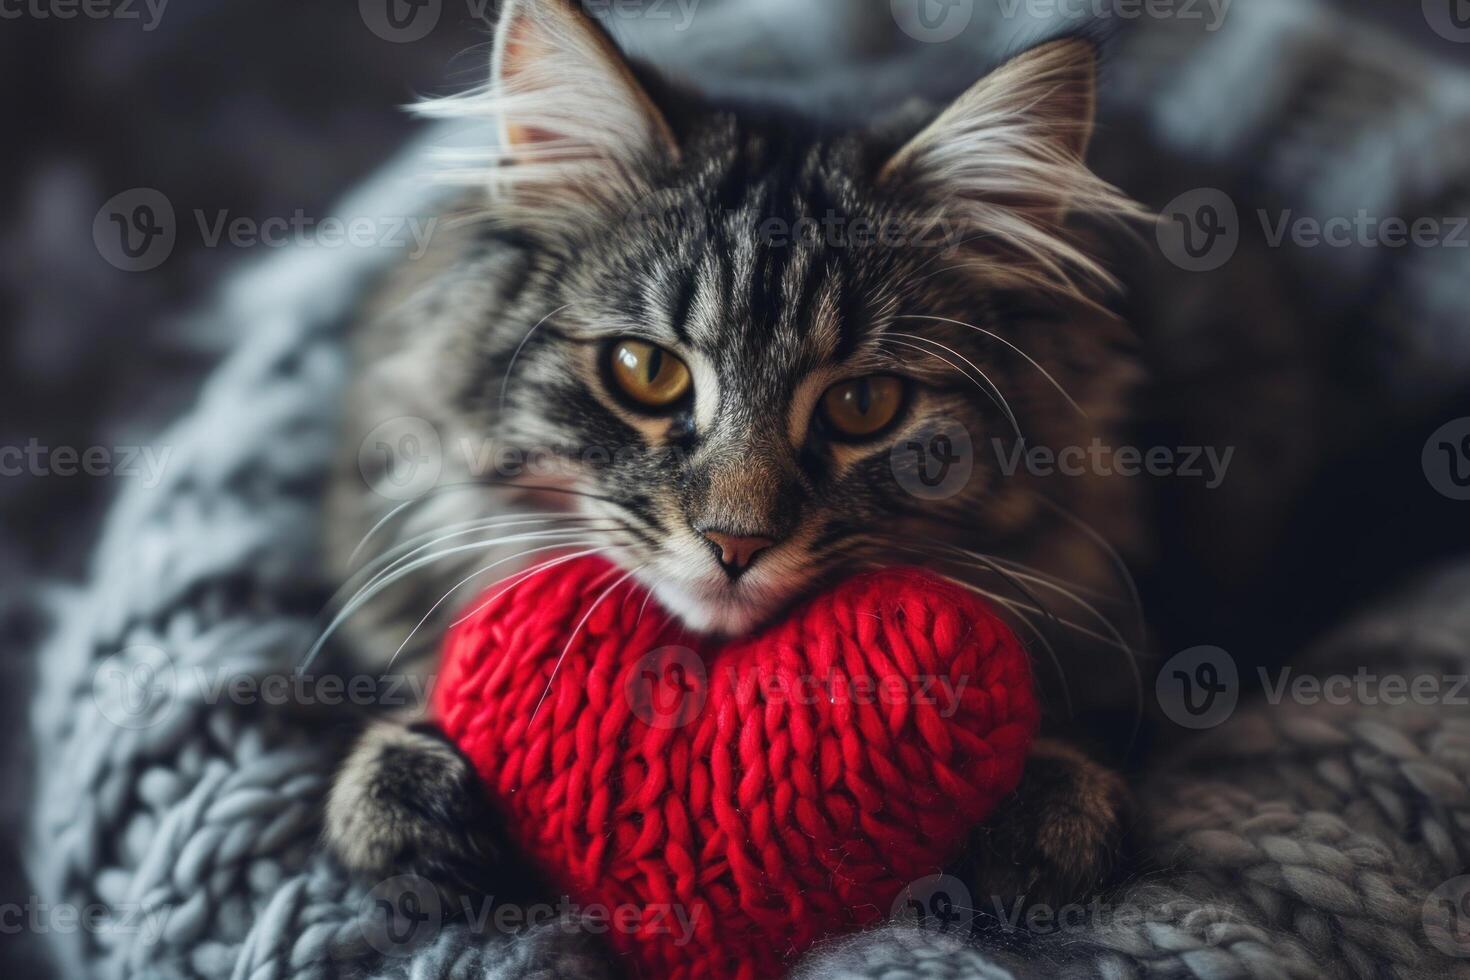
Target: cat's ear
1006	160
1034	110
568	90
575	126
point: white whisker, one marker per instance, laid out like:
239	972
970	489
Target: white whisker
997	337
417	543
380	584
587	525
1093	535
1019	611
505	382
527	573
386	518
1130	655
519	577
992	392
556	668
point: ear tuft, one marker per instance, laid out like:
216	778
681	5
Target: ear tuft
575	126
1006	160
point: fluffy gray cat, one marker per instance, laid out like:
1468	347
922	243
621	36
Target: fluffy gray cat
719	330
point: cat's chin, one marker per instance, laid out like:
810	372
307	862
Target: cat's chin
725	610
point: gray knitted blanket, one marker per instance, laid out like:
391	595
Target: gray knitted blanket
1302	836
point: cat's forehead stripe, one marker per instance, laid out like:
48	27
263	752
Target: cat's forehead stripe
755	284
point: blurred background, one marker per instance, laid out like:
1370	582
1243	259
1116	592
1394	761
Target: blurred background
1327	366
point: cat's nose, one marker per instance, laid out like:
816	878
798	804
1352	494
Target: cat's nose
736	551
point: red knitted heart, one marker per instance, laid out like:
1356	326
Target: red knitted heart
724	806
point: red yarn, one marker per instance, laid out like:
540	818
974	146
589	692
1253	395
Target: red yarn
819	767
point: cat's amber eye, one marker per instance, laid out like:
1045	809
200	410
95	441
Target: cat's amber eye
863	407
649	375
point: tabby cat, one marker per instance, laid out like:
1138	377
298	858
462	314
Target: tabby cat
728	332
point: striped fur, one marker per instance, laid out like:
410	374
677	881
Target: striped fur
620	206
678	235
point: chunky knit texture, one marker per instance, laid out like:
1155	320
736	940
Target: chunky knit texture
775	790
191	820
1292	841
1295	840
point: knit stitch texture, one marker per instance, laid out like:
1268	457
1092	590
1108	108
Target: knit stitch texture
769	791
1293	840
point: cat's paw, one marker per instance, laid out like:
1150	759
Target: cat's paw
1058	839
406	801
